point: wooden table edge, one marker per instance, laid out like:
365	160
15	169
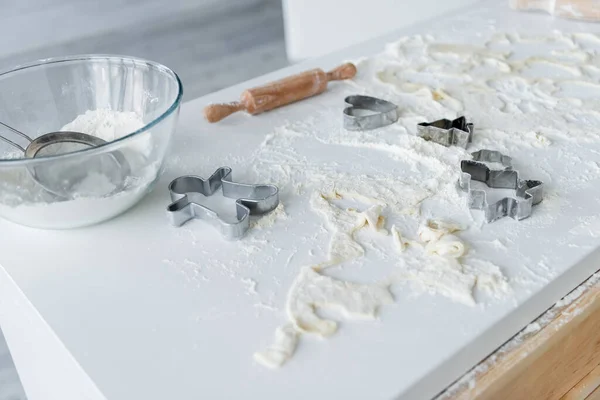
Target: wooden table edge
555	357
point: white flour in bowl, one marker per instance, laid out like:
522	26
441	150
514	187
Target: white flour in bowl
105	124
25	202
110	125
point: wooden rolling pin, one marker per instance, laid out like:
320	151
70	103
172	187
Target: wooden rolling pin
588	10
279	93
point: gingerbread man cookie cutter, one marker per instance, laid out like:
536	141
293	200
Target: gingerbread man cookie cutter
456	132
527	192
187	193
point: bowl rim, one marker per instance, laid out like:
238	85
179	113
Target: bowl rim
108	146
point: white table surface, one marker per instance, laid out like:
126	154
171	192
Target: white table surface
111	311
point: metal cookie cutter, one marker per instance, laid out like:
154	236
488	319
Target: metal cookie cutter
457	132
527	192
383	113
188	191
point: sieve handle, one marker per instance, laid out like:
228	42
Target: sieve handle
13	143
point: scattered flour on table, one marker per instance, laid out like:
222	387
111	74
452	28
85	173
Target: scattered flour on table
250	285
530	108
267	221
282	349
532	328
345	222
438	262
312	290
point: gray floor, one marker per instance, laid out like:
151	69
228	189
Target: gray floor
211	44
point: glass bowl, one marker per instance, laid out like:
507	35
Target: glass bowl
137	100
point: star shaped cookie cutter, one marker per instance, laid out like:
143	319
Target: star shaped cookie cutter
187	193
456	132
383	113
527	192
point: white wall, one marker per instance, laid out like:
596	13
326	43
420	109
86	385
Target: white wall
317	27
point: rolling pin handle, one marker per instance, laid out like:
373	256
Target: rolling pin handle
216	112
344	71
